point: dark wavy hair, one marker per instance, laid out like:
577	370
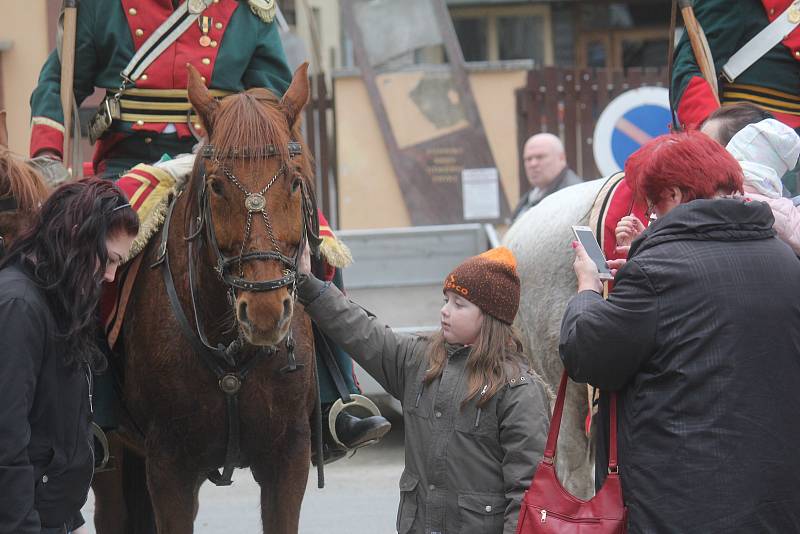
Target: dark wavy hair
65	250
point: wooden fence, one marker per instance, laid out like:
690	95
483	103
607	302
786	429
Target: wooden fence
319	128
567	103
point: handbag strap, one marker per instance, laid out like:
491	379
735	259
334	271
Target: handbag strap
555	426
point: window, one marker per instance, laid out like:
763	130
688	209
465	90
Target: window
504	33
621	49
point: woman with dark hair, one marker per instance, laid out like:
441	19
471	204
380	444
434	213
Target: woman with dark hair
49	291
700	338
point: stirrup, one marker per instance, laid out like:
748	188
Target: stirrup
360	406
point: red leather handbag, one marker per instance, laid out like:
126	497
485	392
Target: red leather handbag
548	508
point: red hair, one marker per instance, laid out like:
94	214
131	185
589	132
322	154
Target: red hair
691	161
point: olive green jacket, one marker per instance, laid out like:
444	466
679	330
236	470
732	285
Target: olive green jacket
466	469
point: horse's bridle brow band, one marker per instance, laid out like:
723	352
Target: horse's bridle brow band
267	151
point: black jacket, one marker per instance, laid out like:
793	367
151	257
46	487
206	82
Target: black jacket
46	460
701	337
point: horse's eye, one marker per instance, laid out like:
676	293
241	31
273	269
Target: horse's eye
296	184
217	187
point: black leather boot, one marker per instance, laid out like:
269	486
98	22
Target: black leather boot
354	431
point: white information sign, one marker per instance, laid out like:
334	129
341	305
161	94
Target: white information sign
481	193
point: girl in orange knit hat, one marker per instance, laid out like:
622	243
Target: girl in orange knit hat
475	415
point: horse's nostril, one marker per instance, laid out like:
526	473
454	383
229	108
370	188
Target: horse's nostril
287	307
243	312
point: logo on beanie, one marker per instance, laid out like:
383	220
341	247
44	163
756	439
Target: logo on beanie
452	284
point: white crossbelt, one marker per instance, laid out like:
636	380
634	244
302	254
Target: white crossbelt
763	42
166	34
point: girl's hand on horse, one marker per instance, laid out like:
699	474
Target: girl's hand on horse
628	229
304	264
586	270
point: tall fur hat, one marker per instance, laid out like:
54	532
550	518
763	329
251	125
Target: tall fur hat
489	281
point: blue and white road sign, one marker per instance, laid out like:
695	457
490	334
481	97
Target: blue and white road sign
628	122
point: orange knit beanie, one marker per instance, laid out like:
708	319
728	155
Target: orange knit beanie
489	281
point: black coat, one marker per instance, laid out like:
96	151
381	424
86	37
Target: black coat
46	460
701	337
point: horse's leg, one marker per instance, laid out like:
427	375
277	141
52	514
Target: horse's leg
282	475
110	512
173	491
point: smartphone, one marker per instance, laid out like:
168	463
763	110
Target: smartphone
586	237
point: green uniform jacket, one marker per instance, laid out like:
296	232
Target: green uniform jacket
244	51
466	469
772	82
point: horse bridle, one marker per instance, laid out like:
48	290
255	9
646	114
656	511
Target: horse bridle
229	371
255	203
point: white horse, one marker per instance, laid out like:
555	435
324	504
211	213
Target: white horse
541	240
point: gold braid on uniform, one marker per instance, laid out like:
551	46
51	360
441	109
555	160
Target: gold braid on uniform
263	9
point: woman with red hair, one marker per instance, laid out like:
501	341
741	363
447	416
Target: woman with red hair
700	339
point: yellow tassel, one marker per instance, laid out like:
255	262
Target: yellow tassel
335	252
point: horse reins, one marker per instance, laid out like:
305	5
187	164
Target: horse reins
221	360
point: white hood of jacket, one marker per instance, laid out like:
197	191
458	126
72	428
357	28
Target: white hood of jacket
766	151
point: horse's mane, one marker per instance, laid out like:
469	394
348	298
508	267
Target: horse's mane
19	180
255	119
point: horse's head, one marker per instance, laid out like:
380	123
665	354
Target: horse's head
22	191
253	195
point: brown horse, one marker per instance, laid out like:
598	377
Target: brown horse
232	239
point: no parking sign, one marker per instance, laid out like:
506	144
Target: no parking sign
628	122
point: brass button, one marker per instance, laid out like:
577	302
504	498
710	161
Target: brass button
203	78
772	11
218	25
139	32
206	61
148	140
197	126
140	123
143	76
132	11
213	44
797	53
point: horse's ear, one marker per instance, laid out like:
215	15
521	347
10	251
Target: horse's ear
296	95
202	101
3	130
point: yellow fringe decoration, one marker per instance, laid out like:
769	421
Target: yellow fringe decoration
335	252
263	9
153	211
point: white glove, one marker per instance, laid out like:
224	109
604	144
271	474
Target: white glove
180	167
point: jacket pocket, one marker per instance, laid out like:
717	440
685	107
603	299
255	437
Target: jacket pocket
481	513
407	511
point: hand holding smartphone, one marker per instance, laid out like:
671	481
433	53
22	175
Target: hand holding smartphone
586	238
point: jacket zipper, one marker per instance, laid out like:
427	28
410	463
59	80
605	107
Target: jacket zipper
419	395
478	417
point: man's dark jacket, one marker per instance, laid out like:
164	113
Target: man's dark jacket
564	179
46	460
701	337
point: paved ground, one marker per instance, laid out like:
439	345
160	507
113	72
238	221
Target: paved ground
360	496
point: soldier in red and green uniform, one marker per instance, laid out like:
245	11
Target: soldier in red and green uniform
772	82
234	44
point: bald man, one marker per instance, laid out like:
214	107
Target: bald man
546	169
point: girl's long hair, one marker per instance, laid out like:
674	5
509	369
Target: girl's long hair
65	250
498	344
